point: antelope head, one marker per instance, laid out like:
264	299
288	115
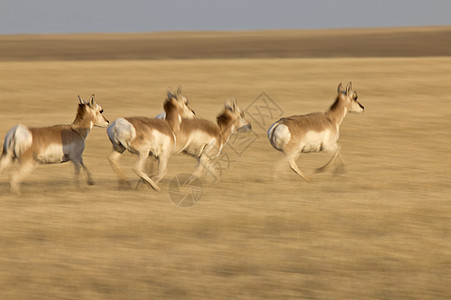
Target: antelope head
177	101
176	108
94	111
233	114
349	96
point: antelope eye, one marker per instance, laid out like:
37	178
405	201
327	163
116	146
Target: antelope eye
101	111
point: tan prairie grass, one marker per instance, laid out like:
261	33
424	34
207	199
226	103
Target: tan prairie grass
381	230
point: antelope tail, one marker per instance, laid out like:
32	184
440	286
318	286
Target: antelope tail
270	134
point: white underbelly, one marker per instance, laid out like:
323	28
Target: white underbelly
316	141
197	143
52	154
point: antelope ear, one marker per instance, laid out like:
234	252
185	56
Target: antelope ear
91	100
349	88
339	88
81	100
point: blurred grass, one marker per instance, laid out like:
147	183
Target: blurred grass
375	42
379	231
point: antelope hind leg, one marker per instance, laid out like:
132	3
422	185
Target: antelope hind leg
113	159
5	160
294	167
276	169
24	170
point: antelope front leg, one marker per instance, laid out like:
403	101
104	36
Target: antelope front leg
89	179
78	163
335	149
207	163
77	168
203	166
139	171
162	168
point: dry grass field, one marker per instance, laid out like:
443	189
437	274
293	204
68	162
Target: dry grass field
381	230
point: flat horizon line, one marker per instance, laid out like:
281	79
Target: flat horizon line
243	31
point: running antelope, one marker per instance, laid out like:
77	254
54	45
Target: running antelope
48	145
145	137
314	132
205	140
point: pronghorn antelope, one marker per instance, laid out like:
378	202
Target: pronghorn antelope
55	144
145	137
314	132
205	140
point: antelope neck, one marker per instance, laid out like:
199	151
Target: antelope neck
82	123
173	119
227	129
337	112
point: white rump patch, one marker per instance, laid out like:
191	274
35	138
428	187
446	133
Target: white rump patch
279	135
18	140
121	132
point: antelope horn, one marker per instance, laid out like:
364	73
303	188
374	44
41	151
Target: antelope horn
81	100
339	88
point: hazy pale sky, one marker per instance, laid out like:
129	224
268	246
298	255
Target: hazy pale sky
67	16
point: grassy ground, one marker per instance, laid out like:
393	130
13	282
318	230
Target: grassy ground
381	230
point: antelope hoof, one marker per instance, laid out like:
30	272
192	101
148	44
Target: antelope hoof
339	170
307	179
15	190
124	185
91	182
156	188
139	184
320	170
190	180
